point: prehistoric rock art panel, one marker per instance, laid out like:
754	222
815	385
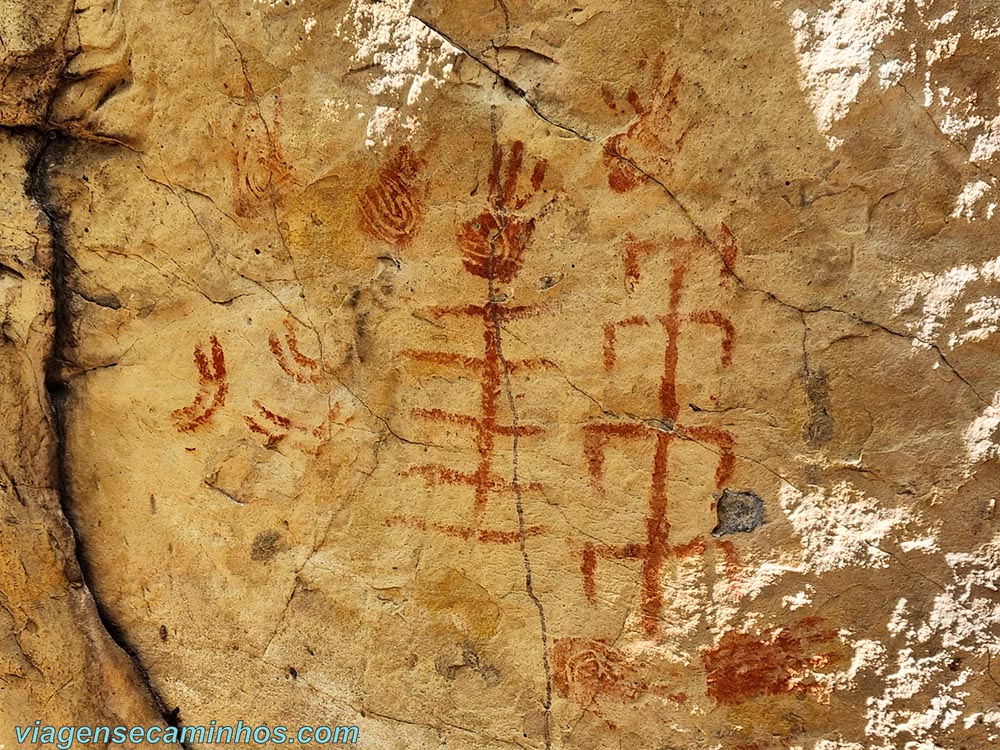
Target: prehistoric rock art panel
353	417
663	428
492	245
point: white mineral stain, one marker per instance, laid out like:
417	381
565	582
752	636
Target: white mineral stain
982	30
925	544
913	726
982	717
867	654
923	696
969	609
982	436
837	45
835	48
971	196
939	294
941	20
837	745
839	527
800	599
891	72
983	317
411	58
897	623
987	143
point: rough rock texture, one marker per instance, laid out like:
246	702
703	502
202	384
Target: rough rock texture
620	374
57	661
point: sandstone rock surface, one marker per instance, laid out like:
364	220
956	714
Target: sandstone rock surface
549	375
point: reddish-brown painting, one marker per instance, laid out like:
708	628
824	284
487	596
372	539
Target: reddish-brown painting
276	428
611	337
587	670
745	666
493	243
661	432
467	532
391	208
728	250
486	426
653	137
492	247
213	386
285	349
261	175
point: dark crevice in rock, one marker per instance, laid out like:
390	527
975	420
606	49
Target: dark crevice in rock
38	188
106	299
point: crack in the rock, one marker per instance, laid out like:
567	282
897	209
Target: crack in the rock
228	495
702	234
322	538
515	480
925	110
22	652
507	82
273	145
521	526
885	329
68	132
296	586
659	424
38	188
6	269
14	488
385	422
989	669
455	727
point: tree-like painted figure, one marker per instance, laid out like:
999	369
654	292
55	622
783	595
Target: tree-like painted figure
664	430
492	245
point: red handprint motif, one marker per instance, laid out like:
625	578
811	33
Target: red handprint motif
213	386
493	243
743	666
652	135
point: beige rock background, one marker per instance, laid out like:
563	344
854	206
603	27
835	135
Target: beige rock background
393	364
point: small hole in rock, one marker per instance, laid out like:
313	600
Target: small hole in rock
738	511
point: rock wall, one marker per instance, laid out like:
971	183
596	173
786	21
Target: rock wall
489	374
